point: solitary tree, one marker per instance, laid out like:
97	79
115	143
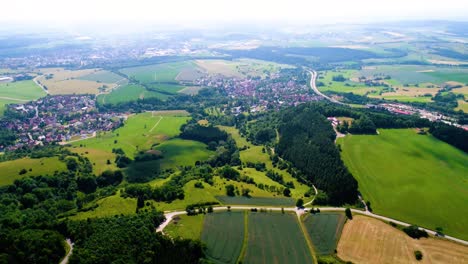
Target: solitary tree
300	203
349	214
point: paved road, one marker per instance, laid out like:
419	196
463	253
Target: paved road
169	216
313	79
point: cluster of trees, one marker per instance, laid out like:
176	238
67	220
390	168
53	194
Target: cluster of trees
129	239
338	78
307	141
279	179
363	125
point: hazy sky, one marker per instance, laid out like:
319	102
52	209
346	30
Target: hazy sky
170	11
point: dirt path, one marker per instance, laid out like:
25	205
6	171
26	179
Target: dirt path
157	123
40	85
67	257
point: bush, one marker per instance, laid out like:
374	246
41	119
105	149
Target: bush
414	232
418	255
349	214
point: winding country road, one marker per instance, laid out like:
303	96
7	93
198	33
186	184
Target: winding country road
170	215
313	80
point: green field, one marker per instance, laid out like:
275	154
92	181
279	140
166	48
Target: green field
19	92
223	234
341	87
260	201
185	226
102	76
275	238
181	152
406	74
324	230
130	92
410	177
109	206
140	132
165	72
9	170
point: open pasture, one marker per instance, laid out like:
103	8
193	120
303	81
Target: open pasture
18	92
185	226
223	234
158	73
412	74
98	158
21	91
324	229
129	92
348	86
63	81
275	238
102	76
180	152
140	132
368	240
9	170
405	176
109	206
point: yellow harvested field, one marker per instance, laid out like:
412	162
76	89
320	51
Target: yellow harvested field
462	90
219	67
66	82
170	113
412	91
368	240
462	105
98	158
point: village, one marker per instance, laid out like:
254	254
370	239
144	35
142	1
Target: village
261	94
56	119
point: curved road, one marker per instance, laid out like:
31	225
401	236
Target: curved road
313	80
170	215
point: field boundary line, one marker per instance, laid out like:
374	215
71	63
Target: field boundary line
14	99
308	240
246	238
157	123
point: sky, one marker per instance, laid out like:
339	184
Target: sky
233	11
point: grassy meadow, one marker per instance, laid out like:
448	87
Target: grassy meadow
9	170
185	226
19	92
410	177
164	72
180	152
129	92
140	132
102	76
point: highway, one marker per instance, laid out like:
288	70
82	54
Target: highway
313	80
